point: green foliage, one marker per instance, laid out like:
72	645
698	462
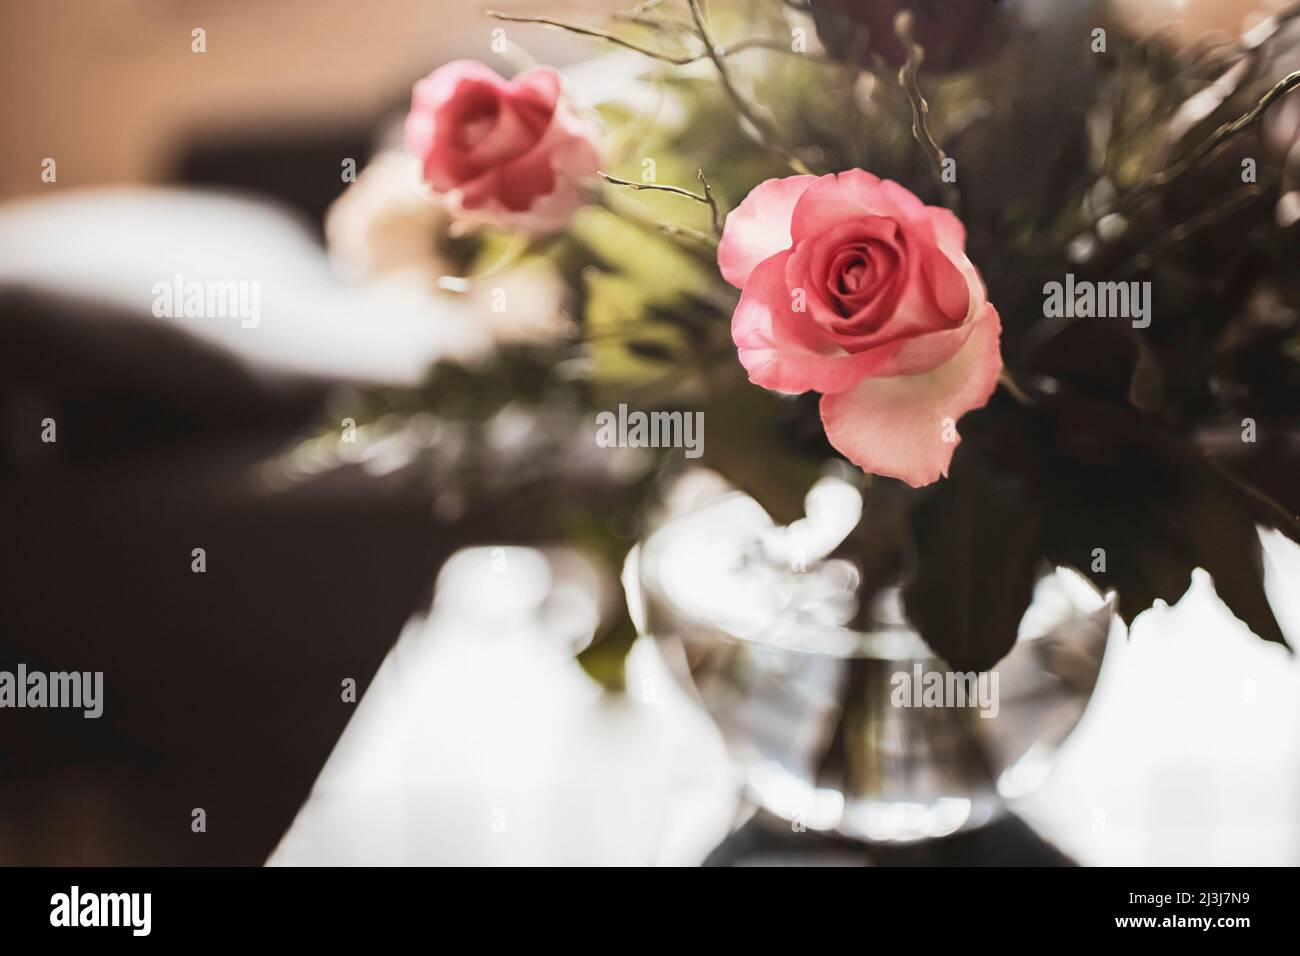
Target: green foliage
637	275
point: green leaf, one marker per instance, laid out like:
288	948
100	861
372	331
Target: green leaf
743	445
976	557
652	261
615	317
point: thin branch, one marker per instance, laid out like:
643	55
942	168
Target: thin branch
714	214
690	240
683	59
595	34
907	79
707	198
1208	147
655	187
766	134
1226	132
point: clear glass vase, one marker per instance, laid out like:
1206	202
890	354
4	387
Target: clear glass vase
861	734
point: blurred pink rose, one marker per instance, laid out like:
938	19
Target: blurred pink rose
852	287
506	153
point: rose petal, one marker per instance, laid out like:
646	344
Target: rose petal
539	87
437	103
439	86
807	268
552	195
786	351
949	231
852	194
519	182
895	426
759	227
510	154
527	111
949	283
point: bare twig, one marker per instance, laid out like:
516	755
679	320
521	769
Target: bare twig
1209	146
907	79
688	239
595	34
654	187
766	135
707	197
683	59
714	214
1226	132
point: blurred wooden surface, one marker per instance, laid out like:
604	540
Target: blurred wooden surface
112	91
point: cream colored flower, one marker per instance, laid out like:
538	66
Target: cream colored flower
386	221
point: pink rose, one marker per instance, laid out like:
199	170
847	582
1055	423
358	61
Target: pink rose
852	287
507	153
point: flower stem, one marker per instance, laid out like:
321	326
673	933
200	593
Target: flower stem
1013	389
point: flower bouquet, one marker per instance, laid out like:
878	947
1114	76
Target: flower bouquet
1023	273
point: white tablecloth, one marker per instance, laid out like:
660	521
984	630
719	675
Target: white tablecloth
482	742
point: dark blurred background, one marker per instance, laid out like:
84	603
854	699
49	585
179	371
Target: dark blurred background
223	688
